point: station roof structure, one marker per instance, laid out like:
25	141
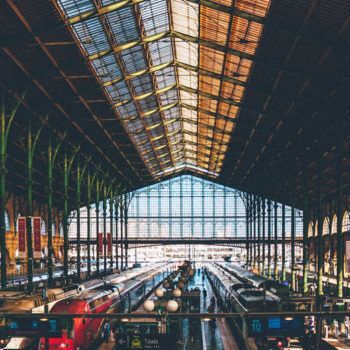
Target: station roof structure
253	94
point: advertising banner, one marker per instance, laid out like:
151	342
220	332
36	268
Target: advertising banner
100	243
21	222
37	237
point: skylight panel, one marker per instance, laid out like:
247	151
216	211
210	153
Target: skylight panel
188	98
72	9
168	97
186	52
154	16
165	77
123	25
185	17
134	59
107	68
187	78
142	84
161	51
189	115
127	110
92	36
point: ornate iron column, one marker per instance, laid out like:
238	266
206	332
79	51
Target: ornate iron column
247	230
104	213
5	126
283	242
320	259
269	231
126	229
116	210
275	274
292	251
340	245
305	245
111	201
31	146
263	237
88	207
51	157
97	211
121	231
67	165
254	232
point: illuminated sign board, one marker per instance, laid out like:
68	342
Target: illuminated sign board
276	326
31	327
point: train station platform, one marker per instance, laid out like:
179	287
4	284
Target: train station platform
202	338
223	338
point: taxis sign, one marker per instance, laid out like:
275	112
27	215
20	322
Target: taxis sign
145	342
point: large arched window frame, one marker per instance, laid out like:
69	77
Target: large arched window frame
7	221
346	222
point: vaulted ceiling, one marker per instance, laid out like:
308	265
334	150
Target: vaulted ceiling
248	93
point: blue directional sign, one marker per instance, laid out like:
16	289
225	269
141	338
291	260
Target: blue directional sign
27	327
276	326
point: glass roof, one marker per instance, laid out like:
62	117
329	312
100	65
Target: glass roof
174	71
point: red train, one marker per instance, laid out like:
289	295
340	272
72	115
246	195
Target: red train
124	297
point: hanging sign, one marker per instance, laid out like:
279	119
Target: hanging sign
37	237
109	244
100	243
21	222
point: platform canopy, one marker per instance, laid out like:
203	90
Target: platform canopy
249	93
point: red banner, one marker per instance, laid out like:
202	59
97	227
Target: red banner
21	222
100	243
37	234
109	244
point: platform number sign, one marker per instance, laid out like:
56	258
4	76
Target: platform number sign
256	326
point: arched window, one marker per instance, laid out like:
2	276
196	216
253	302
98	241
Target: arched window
346	222
334	224
309	230
325	228
60	231
7	221
43	227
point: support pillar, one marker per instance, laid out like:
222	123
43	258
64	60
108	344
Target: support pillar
305	245
4	132
78	205
104	213
292	250
51	157
340	248
254	232
126	230
121	232
269	231
283	243
97	210
116	210
263	237
111	201
259	233
89	184
320	259
247	218
65	217
29	206
275	274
